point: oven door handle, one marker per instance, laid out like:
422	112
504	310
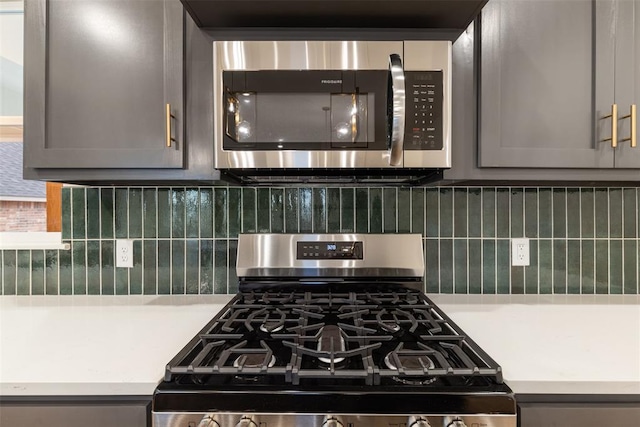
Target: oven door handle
397	114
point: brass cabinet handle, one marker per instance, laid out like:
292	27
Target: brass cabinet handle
169	116
633	135
614	126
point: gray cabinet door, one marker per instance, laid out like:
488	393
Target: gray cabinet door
98	77
538	83
627	77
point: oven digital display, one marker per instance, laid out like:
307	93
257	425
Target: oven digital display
329	250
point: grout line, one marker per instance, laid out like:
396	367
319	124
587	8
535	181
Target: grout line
100	284
581	237
30	273
608	241
156	204
86	243
369	209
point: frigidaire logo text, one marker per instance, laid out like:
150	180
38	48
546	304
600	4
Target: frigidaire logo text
331	82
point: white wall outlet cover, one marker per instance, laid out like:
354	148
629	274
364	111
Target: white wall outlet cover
124	253
520	252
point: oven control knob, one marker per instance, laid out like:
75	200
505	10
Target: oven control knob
421	422
207	421
332	422
457	423
246	422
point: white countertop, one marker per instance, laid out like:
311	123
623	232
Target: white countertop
72	345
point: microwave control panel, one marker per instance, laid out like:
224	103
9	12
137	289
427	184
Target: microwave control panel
423	126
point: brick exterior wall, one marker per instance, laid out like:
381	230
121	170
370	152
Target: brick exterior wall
23	216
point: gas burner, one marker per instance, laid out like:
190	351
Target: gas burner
253	360
414	380
408	361
390	326
271	327
331	341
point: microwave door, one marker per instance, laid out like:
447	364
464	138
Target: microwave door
397	106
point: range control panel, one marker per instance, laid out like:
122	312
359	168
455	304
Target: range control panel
423	128
329	250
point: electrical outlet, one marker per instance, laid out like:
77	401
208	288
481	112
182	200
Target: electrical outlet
124	253
520	252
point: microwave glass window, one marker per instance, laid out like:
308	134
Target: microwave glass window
300	117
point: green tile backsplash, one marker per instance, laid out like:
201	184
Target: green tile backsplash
583	240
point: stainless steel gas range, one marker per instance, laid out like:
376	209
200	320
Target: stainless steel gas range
332	330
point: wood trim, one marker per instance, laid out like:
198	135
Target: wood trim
54	206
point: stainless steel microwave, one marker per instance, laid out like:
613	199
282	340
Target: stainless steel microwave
324	111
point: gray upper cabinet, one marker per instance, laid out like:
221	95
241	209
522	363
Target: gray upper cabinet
99	75
538	83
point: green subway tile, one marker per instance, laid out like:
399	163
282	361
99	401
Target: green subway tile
93	213
78	219
66	213
531	271
107	203
206	213
517	280
9	268
588	271
432	266
177	267
559	267
404	210
235	211
93	267
446	212
249	210
23	273
51	273
233	278
108	272
164	212
276	210
305	207
192	267
375	210
291	208
587	213
135	213
319	203
79	268
333	210
517	212
573	213
390	210
602	212
474	211
135	273
37	272
192	212
178	212
149	212
122	281
559	212
164	267
220	270
417	211
121	214
150	267
503	267
264	210
488	212
630	267
545	254
531	213
362	210
602	267
545	229
475	266
630	216
206	266
488	266
503	213
221	211
460	212
446	266
460	266
347	212
573	267
615	267
615	212
432	203
66	273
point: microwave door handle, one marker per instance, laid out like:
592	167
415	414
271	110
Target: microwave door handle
396	143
